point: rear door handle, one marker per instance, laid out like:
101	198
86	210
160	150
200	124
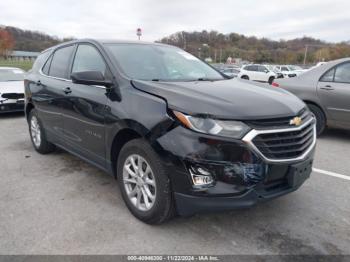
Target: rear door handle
327	87
67	90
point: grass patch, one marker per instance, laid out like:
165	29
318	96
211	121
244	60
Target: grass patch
25	65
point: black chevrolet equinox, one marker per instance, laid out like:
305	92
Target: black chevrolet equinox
180	137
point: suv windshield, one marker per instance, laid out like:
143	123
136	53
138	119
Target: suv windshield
11	75
161	63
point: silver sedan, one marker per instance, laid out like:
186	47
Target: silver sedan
326	90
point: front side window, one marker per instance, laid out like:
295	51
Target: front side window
262	68
60	62
284	68
163	63
342	73
87	58
11	74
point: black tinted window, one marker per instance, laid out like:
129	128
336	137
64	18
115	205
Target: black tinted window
342	73
39	62
262	68
46	67
328	77
60	62
253	68
88	58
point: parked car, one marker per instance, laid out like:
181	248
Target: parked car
178	135
257	73
275	70
326	91
230	71
11	89
290	70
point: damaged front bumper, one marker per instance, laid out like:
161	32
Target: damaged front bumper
239	176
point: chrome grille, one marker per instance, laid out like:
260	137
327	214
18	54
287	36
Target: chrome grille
281	122
287	144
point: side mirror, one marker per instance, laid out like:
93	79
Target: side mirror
90	78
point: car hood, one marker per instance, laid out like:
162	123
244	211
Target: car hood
227	99
12	87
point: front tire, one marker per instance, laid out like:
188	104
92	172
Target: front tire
321	121
37	134
271	80
144	183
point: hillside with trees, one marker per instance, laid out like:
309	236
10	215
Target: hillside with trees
219	46
213	44
27	40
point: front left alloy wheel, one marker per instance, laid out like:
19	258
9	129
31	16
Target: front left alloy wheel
144	183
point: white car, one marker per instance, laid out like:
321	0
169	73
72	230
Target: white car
257	73
290	70
11	89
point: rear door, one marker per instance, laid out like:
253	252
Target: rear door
334	92
49	94
262	75
84	118
253	73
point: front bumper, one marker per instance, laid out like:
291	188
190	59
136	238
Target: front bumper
12	106
242	177
289	182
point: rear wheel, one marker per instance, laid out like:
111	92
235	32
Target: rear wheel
320	118
144	183
37	134
245	77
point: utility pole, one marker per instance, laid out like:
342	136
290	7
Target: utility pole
220	55
184	40
305	54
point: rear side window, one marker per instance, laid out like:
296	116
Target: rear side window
39	62
46	67
342	73
88	58
60	62
253	68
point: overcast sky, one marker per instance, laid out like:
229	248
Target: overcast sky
275	19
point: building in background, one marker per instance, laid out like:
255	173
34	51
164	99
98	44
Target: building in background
22	55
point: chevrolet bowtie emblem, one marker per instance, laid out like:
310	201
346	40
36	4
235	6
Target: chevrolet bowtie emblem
296	121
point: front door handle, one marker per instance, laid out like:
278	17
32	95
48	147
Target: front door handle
327	87
38	83
67	90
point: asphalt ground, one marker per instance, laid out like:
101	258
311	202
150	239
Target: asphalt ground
58	204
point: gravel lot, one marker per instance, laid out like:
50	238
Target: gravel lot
57	204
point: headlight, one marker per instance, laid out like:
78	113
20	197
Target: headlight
233	129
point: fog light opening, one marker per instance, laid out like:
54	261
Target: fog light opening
201	176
